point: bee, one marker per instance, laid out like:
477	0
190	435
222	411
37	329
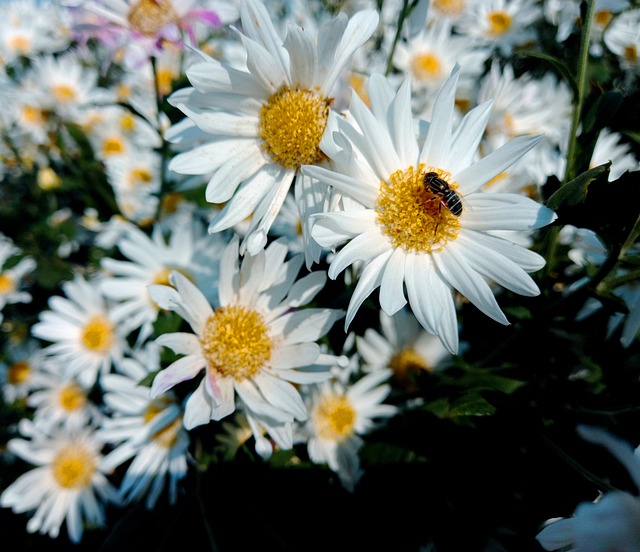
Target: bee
440	188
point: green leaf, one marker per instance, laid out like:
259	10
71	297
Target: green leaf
633	135
388	453
575	192
471	405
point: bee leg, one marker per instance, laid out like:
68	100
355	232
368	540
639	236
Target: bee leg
435	230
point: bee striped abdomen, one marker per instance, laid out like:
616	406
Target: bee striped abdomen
439	187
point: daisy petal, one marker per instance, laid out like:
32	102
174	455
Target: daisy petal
368	281
180	343
282	394
473	177
469	283
392	297
197	409
183	369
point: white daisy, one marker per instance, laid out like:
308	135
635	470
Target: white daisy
451	9
586	250
17	368
68	484
254	344
150	260
612	522
430	56
85	338
32	27
66	85
502	24
14	275
403	347
135	180
622	37
257	127
148	432
611	147
339	416
404	235
58	399
526	105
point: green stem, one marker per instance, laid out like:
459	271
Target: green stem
572	148
589	476
164	150
583	59
401	17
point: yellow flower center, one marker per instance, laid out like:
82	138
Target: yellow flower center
97	334
127	123
358	83
291	125
236	342
155	407
33	115
74	466
112	146
168	435
140	176
149	16
334	417
165	78
171	202
7	284
48	179
463	104
631	53
411	215
19	372
20	44
603	17
72	397
449	7
499	23
404	364
426	66
123	92
63	93
162	277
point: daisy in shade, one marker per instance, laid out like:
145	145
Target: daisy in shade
404	235
60	400
85	338
403	346
253	129
147	432
611	522
255	345
340	414
622	38
68	484
13	275
21	361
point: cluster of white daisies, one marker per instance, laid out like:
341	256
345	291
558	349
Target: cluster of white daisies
306	136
